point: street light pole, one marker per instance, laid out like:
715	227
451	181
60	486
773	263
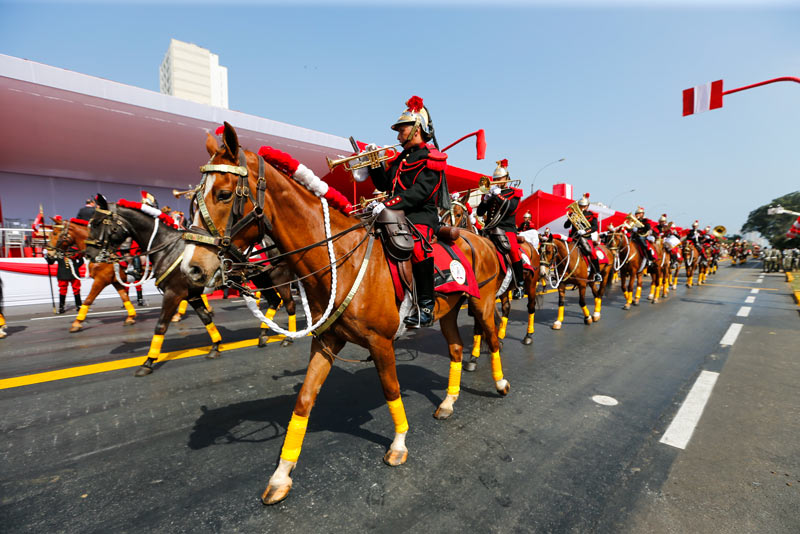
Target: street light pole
543	168
619	195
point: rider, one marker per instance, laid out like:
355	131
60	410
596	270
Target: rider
87	211
498	209
414	181
525	225
582	235
64	274
695	235
644	232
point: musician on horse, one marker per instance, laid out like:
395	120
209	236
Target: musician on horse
585	238
415	182
644	233
498	208
525	225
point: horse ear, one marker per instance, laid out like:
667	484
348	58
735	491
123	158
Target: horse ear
101	202
211	144
231	140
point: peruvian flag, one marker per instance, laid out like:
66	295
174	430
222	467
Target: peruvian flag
702	98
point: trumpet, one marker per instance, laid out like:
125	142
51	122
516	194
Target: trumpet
189	193
370	158
577	218
363	203
632	221
485	184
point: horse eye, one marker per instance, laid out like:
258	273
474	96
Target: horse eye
224	195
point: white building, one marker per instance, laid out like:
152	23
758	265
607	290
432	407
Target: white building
193	73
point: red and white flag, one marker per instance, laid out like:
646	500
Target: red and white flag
702	98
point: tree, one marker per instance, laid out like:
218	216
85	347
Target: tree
774	227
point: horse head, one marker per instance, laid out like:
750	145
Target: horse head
106	232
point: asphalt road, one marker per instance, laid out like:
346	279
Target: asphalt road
191	447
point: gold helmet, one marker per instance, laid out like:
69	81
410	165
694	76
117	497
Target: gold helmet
415	114
584	201
501	171
639	210
663	218
527	215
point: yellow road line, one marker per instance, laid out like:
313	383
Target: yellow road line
116	365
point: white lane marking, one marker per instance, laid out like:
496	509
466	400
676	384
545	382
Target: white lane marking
605	400
759	280
730	336
93	314
754	291
682	427
749	300
744	311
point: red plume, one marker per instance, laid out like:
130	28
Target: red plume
144	193
504	163
220	130
414	104
586	195
480	144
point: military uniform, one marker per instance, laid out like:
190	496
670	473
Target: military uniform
582	239
65	277
640	234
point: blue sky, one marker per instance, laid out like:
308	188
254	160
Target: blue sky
598	84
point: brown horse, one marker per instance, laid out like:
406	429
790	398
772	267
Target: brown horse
563	264
459	217
658	270
303	228
691	258
631	266
71	234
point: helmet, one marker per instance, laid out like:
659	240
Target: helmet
149	200
639	210
663	218
527	215
501	171
415	114
584	201
695	224
708	228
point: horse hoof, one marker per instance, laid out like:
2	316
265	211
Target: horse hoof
176	318
129	321
655	301
395	458
143	371
556	325
636	302
596	317
626	307
275	494
503	387
471	365
528	340
587	320
262	341
75	327
286	342
214	353
442	413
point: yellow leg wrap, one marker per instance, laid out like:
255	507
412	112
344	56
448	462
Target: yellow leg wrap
258	298
454	382
271	313
530	323
264	325
213	332
658	292
497	367
398	415
560	314
691	281
128	307
476	345
85	310
205	300
292	323
598	303
585	311
182	307
502	332
2	320
155	346
639	292
293	441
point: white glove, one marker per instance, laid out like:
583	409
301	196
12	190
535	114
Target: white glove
651	239
581	232
377	208
495	190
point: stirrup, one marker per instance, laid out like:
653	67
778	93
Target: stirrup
598	277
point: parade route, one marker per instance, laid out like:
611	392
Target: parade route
665	418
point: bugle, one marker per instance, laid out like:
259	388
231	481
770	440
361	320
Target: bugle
189	193
363	203
368	158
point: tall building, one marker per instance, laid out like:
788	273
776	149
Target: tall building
193	73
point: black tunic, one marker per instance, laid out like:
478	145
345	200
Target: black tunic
590	216
63	272
413	185
505	203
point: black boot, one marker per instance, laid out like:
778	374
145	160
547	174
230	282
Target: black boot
139	297
78	301
422	315
596	266
519	278
62	301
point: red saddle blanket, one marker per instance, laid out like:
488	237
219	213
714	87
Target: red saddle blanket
452	272
526	262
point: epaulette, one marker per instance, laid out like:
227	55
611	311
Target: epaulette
437	161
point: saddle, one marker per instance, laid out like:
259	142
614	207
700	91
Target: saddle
500	239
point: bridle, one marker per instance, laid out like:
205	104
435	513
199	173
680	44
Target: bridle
59	249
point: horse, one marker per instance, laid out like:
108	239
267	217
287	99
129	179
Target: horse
658	269
630	263
458	215
564	264
73	233
691	259
332	255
